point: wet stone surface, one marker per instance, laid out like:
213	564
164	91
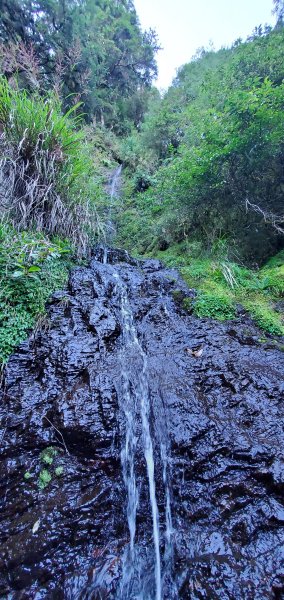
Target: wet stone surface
217	416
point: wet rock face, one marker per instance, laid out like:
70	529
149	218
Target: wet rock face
218	415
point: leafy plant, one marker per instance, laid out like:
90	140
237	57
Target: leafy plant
48	455
45	474
215	305
45	167
44	479
31	268
222	285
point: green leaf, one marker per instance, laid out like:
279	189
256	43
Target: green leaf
59	471
34	269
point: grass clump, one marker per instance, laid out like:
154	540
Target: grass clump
31	268
45	168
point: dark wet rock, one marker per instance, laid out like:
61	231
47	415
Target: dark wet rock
218	416
150	265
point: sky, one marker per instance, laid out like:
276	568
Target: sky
185	25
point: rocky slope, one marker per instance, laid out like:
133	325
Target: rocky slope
217	430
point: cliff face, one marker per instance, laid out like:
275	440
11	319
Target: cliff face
127	402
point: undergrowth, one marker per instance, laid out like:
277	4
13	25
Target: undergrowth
46	170
31	268
222	285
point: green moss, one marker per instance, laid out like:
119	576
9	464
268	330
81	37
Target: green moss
178	295
222	284
264	315
188	304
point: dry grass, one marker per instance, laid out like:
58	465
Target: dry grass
45	170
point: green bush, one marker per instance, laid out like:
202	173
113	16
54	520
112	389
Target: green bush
31	268
222	284
273	280
45	167
214	305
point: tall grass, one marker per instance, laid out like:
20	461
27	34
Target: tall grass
45	168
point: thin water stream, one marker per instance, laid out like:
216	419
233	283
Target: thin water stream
135	399
135	405
113	194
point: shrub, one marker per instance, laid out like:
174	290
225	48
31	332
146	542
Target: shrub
31	268
45	168
273	280
214	304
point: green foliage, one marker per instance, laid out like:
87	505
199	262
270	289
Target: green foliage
217	139
273	280
45	168
31	268
261	309
44	479
48	455
59	471
216	305
222	285
93	50
262	312
45	474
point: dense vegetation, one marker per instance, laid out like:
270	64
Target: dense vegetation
208	164
205	178
31	268
203	165
91	50
70	73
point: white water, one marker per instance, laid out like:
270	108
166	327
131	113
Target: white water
135	395
135	405
113	195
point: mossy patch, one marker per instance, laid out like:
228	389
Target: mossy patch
214	305
221	285
264	315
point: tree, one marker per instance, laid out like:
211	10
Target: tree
279	11
89	50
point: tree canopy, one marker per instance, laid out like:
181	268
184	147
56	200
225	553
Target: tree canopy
89	50
215	152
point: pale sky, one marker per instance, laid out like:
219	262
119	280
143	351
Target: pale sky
185	25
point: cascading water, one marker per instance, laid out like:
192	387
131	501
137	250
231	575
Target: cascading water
134	399
113	194
146	427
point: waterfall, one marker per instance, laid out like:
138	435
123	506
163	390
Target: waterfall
113	194
134	399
